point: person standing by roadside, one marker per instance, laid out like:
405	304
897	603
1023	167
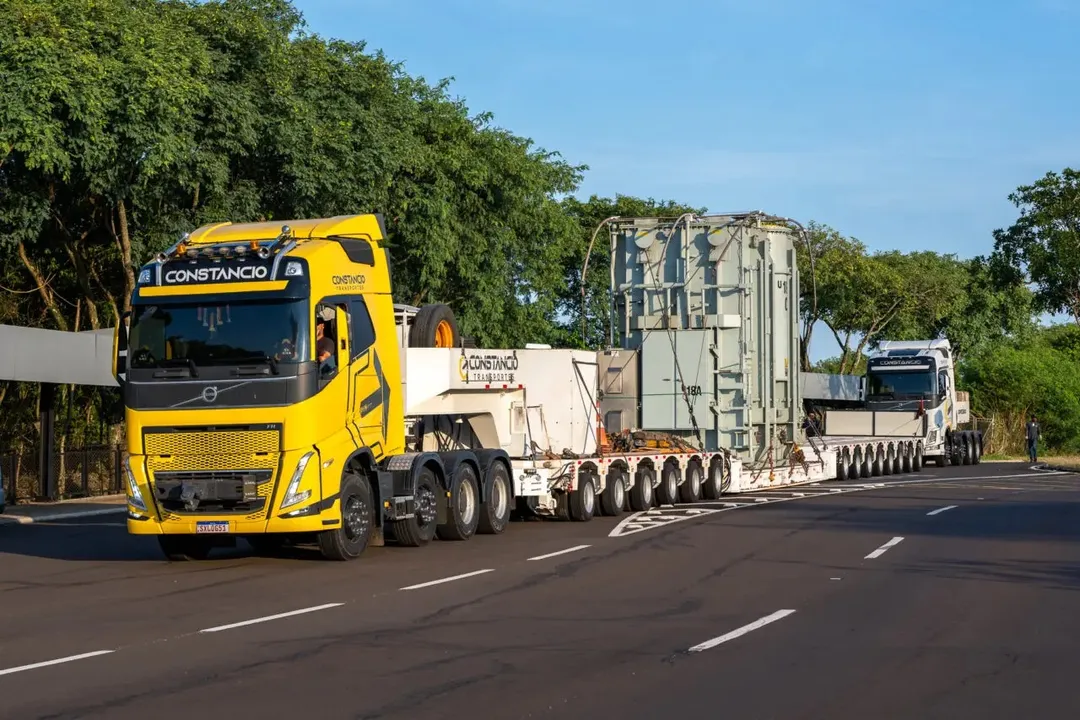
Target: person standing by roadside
1033	439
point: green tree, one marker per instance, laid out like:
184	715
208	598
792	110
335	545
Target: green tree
127	122
1010	381
1043	246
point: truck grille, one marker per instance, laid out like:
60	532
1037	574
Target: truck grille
213	471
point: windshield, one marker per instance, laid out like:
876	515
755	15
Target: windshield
219	334
900	385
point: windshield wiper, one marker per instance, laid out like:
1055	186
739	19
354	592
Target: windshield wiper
264	358
180	364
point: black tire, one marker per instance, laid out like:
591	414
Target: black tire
888	465
690	490
351	538
855	471
843	464
716	484
463	511
877	468
976	436
864	467
184	548
582	500
432	326
917	458
495	512
969	448
421	527
668	492
905	459
613	499
641	494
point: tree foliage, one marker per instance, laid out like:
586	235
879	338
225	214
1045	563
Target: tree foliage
1015	379
1043	246
863	298
124	123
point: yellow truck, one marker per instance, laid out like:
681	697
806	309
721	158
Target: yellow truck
260	367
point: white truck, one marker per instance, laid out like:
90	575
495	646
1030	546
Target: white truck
911	413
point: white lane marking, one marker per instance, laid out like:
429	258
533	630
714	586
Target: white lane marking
268	618
58	661
650	519
560	552
941	510
884	548
708	644
447	579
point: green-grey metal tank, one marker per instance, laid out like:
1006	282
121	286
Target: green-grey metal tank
705	332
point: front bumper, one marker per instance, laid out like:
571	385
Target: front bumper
285	502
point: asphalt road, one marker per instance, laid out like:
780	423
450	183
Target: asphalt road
948	594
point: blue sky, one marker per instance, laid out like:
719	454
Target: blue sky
903	123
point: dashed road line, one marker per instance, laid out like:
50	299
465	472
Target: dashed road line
941	510
58	661
452	578
574	549
268	618
884	548
739	632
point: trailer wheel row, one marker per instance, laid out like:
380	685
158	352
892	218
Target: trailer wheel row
680	480
875	459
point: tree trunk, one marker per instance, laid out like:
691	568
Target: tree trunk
125	254
43	288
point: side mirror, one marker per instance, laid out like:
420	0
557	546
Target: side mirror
120	350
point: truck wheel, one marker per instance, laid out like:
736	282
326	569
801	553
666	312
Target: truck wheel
434	326
843	464
357	521
864	467
641	494
878	466
613	498
420	528
583	500
714	487
668	492
856	463
495	512
976	436
905	459
886	461
463	506
182	548
690	490
968	447
917	458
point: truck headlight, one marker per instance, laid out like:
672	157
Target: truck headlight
134	494
292	493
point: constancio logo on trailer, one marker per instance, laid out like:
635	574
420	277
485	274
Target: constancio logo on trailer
488	367
183	276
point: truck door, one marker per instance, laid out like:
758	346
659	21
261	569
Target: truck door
369	391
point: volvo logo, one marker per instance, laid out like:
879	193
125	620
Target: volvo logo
209	394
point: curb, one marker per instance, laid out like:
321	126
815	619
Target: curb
30	519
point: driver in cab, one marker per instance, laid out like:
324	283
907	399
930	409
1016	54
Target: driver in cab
324	346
